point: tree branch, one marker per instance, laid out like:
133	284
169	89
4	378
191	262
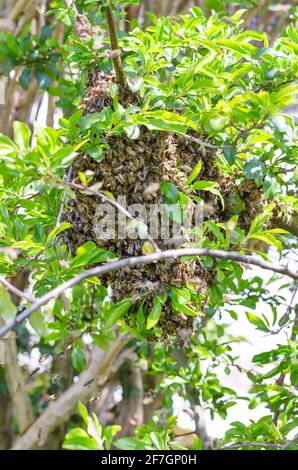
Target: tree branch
71	4
14	376
141	261
200	142
14	290
60	410
116	54
195	405
286	222
265	445
16	385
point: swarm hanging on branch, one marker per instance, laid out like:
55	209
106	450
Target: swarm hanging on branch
136	169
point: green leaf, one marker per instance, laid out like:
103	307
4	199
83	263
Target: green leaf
25	78
129	443
260	219
116	312
270	186
140	318
170	192
83	411
8	310
193	175
284	95
53	234
201	351
63	157
172	379
276	370
157	440
216	231
43	78
235	203
21	134
203	185
254	320
37	321
213	122
161	125
170	118
180	296
109	432
7	146
229	153
175	446
78	359
241	48
187	310
89	120
113	89
292	32
168	121
154	315
78	439
90	254
267	238
209	186
253	170
95	152
294	378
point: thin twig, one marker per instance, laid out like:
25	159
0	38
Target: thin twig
279	382
144	260
199	141
116	53
265	445
71	4
289	306
189	433
16	291
61	210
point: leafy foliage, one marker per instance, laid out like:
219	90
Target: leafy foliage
204	79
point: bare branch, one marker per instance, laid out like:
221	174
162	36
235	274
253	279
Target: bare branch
287	222
16	291
16	384
59	411
143	260
71	4
61	210
200	142
279	382
14	376
116	53
264	445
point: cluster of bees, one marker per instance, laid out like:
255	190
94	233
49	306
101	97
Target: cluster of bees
135	169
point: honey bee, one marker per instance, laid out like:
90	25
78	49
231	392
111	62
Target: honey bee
51	398
56	378
88	383
34	371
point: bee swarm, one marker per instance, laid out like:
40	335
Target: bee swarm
130	168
